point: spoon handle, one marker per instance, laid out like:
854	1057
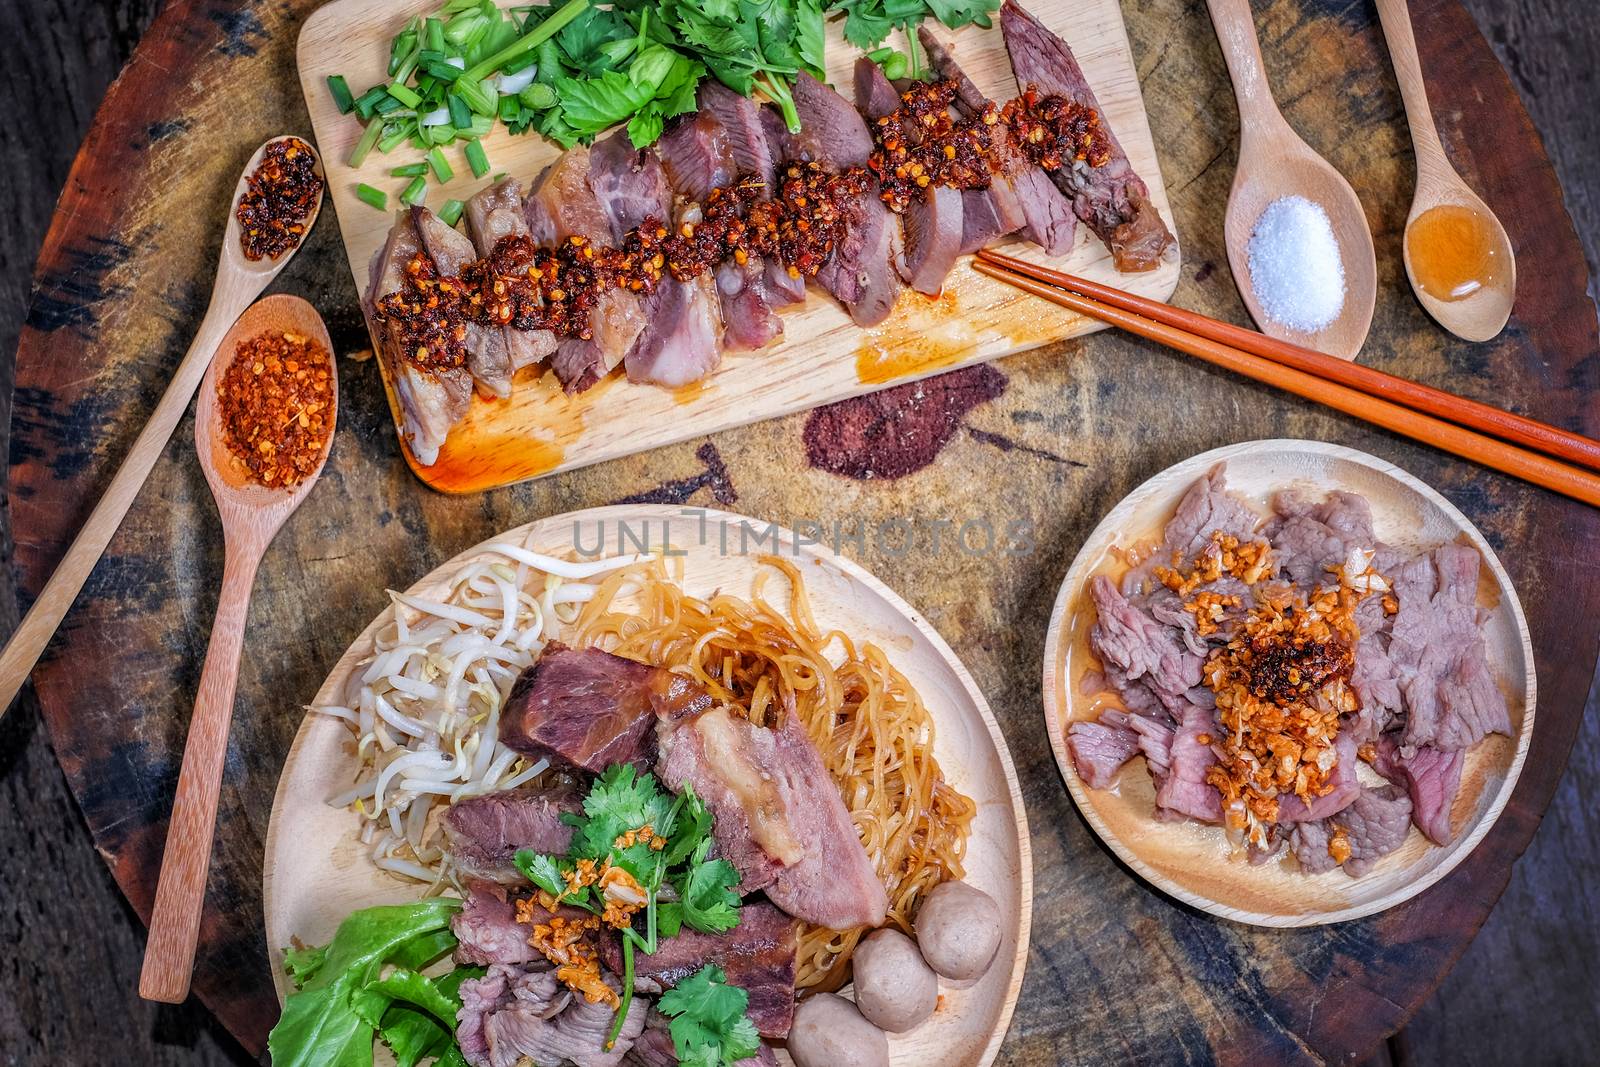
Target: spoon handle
228	299
1236	33
1402	42
181	891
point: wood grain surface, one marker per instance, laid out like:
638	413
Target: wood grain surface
1033	437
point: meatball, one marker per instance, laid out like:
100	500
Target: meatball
895	989
828	1031
958	930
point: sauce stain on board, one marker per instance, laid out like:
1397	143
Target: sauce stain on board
479	454
688	394
485	462
922	335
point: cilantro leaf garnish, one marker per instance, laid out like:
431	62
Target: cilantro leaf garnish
706	893
630	824
709	1024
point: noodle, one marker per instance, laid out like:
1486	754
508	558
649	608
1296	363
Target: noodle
869	724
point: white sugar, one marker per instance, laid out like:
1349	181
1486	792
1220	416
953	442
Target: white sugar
1294	265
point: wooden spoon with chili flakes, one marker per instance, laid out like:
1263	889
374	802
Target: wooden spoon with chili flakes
264	424
241	276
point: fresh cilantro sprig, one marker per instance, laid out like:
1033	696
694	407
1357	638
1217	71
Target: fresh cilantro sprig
748	45
618	807
867	23
709	1022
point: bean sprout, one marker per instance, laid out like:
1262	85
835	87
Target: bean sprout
424	706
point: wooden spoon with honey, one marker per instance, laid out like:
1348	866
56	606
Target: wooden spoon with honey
252	514
1457	254
239	281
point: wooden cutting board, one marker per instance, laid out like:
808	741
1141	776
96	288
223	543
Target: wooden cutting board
823	357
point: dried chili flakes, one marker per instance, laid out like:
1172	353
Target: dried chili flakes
1055	133
276	402
279	197
922	146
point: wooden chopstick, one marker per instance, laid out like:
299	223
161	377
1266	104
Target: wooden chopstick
1506	425
1530	466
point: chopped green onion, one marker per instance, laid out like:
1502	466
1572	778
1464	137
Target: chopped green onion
499	177
372	197
538	96
444	72
479	99
541	33
477	159
400	48
416	192
510	107
451	211
460	113
404	95
517	66
395	136
410	170
340	89
433	31
441	166
388	104
369	137
368	101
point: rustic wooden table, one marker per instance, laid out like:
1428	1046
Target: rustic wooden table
1117	972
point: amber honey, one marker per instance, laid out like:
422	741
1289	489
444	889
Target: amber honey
1453	252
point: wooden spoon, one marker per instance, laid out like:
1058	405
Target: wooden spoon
251	516
1274	162
1482	266
239	281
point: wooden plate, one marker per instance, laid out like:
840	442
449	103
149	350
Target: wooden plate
823	358
1190	861
315	872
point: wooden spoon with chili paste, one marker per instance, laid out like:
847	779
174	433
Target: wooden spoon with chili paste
240	280
293	403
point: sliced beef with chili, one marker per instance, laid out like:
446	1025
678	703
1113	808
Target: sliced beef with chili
488	359
705	154
434	394
680	342
930	223
1020	196
493	214
1107	195
561	205
858	273
487	930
